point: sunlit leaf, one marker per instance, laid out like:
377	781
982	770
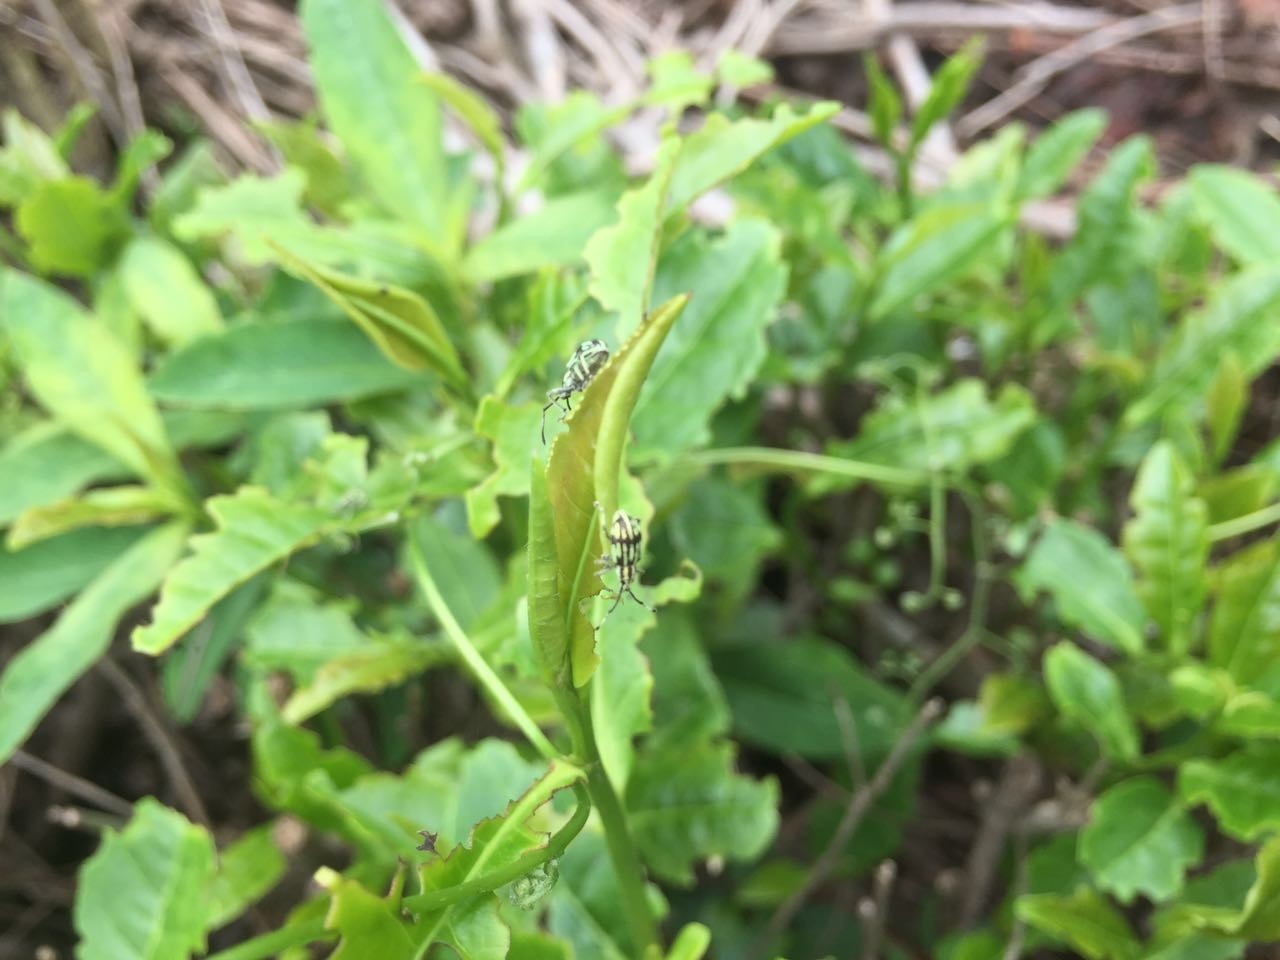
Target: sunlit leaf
1244	631
167	292
1240	788
1084	920
142	895
1240	209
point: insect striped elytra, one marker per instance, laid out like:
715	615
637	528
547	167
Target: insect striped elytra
624	538
588	357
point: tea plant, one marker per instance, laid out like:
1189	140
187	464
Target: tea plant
869	445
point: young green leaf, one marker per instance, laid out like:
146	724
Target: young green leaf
1168	542
1240	209
1244	631
43	575
723	148
1085	691
1225	404
717	346
121	506
622	257
46	463
1055	153
546	611
1139	840
378	665
143	894
584	468
401	323
687	804
934	248
1084	920
250	209
167	292
952	430
39	673
552	236
81	373
476	113
246	870
254	530
949	85
886	105
514	432
1090	582
1240	789
368	925
371	91
72	226
1239	318
274	366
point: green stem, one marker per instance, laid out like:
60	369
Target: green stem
277	941
1246	524
471	656
439	899
788	460
622	850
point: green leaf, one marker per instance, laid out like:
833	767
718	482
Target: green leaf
274	366
935	247
1057	151
121	506
688	702
1225	404
251	209
947	88
45	574
40	672
86	378
1085	691
46	463
1084	920
1104	238
71	226
736	69
691	943
29	157
723	148
143	894
583	470
1240	317
613	252
1244	631
784	695
677	83
167	292
553	235
724	528
401	323
1240	209
886	105
254	530
371	91
191	669
952	430
546	612
1090	582
1242	789
716	347
514	432
368	925
246	870
620	691
586	905
687	804
1168	542
1259	921
1139	840
378	665
476	113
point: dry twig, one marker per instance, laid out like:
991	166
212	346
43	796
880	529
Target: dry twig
72	784
859	804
